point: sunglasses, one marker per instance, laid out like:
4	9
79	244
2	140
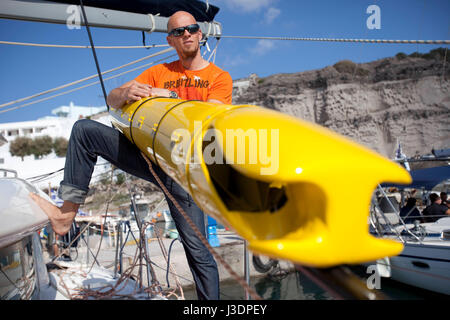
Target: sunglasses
177	32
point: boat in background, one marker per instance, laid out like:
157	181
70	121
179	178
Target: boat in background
425	259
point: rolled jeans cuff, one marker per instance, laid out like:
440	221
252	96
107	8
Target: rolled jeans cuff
72	194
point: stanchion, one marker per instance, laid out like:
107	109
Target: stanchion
246	269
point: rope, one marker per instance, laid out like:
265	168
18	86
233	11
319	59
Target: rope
85	79
170	267
106	213
168	260
97	65
84	293
112	290
43	176
43	45
152	19
343	40
46	176
200	236
98	294
143	239
82	87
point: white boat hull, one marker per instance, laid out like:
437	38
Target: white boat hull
426	266
19	214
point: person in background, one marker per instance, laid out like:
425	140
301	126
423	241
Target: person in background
409	212
435	210
444	201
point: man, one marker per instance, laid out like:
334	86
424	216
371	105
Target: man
190	77
435	209
444	201
409	212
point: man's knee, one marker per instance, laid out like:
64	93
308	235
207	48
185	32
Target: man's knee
82	127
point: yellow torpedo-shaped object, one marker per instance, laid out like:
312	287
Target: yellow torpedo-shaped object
294	190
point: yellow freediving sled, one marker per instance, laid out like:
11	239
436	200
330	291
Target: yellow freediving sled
293	189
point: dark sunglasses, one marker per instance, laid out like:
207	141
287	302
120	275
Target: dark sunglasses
192	28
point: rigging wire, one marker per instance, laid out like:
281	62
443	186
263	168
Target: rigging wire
82	87
46	176
340	40
94	53
106	214
168	260
213	54
86	78
44	45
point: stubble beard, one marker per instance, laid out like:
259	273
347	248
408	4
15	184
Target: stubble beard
190	53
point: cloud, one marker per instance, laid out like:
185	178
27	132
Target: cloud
263	46
248	5
271	15
234	61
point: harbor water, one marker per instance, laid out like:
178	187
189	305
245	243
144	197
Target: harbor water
296	286
280	285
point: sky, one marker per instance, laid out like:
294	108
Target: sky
25	71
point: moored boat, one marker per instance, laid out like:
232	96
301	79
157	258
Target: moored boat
425	259
25	273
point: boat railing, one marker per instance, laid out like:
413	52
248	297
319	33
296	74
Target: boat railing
383	221
374	221
387	223
6	171
397	215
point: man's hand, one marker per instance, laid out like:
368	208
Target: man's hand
133	91
136	91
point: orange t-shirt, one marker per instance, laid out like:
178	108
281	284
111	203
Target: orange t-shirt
210	82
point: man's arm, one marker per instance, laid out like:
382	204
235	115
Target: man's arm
128	92
133	91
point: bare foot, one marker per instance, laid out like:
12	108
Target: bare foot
60	218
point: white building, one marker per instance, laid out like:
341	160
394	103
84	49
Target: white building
241	85
73	112
58	126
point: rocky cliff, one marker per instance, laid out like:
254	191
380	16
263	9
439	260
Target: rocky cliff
403	98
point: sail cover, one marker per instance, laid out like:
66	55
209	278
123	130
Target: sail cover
199	9
426	178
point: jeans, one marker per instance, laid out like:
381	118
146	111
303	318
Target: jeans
90	139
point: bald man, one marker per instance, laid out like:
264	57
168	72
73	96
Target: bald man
190	78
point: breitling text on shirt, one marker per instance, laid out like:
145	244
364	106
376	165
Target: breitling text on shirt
187	83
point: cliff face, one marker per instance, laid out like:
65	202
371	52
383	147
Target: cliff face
405	98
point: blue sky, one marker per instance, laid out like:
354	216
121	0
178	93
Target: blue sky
29	70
